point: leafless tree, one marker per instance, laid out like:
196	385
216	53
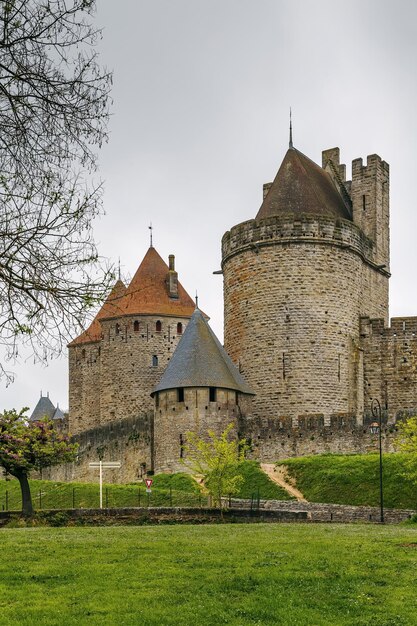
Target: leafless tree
54	100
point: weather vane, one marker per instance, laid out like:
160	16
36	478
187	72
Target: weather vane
151	229
196	299
291	144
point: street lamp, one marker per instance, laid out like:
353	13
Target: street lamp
376	429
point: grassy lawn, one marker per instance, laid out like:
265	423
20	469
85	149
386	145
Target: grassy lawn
208	575
167	489
353	479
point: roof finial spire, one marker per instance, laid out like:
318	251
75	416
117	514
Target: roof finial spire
118	271
196	299
291	144
151	229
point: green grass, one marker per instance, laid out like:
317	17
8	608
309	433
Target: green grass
240	575
176	489
255	479
353	479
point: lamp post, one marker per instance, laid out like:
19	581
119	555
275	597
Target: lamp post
376	429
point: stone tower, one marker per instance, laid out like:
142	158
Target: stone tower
116	362
201	390
297	280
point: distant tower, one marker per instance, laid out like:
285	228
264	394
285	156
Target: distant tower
201	390
117	361
298	277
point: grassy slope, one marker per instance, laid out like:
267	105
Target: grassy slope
353	479
241	575
178	489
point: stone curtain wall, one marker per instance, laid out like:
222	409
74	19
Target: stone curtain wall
129	441
294	291
273	440
390	365
112	380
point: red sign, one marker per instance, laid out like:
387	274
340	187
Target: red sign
148	482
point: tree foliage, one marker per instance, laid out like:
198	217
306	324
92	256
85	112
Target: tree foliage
26	446
53	114
217	460
406	441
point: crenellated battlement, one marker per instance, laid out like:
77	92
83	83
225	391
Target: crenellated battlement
401	327
282	230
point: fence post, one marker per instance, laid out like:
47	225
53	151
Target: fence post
107	497
7	499
139	496
40	498
73	497
199	499
230	501
170	495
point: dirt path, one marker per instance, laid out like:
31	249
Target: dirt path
280	476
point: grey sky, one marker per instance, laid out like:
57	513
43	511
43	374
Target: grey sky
201	95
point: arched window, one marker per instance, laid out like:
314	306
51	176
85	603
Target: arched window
158	326
179	328
117	329
155	361
136	326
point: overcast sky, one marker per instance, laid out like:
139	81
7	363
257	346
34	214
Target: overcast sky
202	90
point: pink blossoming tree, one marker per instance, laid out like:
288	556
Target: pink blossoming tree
27	446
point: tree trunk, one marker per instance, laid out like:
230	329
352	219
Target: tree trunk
27	506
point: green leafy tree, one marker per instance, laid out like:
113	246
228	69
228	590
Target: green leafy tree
54	108
27	446
406	441
217	460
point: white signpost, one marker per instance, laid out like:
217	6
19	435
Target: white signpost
104	465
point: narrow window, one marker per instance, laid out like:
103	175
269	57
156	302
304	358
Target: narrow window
157	400
338	366
212	394
136	326
364	203
181	447
179	328
283	366
117	329
155	361
158	326
180	394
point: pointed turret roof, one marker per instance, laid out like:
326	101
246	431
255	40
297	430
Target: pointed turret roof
44	408
110	308
148	292
201	361
302	186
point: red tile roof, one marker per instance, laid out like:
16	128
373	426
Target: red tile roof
110	308
148	291
302	186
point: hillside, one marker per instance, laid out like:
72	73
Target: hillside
353	479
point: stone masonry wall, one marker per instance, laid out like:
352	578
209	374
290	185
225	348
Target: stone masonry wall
272	440
114	378
390	365
197	414
294	290
129	441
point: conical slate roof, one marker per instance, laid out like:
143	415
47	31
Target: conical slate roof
44	408
302	186
110	308
58	415
201	361
148	291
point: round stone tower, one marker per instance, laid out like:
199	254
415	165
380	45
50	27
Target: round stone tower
298	278
116	362
201	390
